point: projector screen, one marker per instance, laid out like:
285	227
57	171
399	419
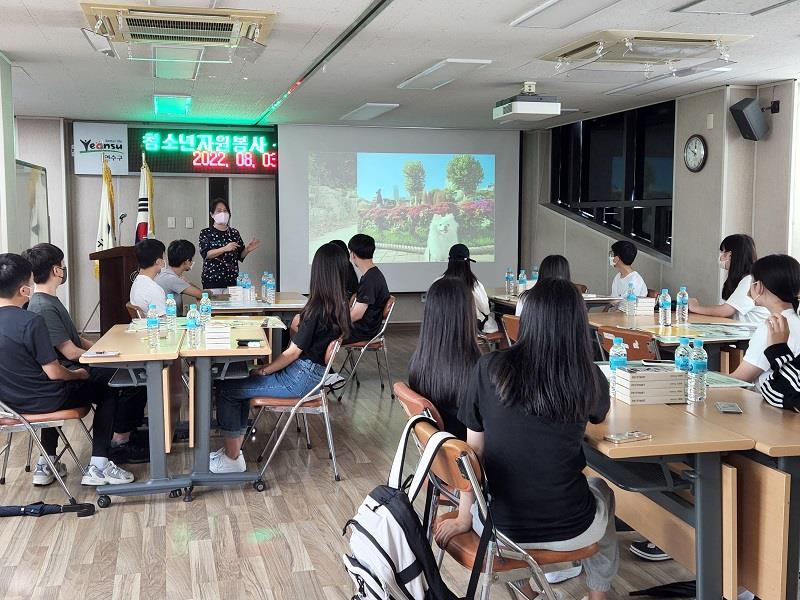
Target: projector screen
416	191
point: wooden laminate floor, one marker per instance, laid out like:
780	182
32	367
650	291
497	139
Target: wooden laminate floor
234	543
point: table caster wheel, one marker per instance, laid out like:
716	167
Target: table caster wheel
175	494
103	501
259	486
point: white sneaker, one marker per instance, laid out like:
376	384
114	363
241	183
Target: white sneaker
216	453
222	464
563	574
42	475
111	475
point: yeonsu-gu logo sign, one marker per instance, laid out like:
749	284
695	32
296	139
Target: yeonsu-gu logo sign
93	142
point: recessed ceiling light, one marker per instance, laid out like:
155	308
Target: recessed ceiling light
443	73
748	8
245	78
172	62
368	111
559	14
173	106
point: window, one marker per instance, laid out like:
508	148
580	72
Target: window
616	172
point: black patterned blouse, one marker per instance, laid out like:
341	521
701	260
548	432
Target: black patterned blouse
223	270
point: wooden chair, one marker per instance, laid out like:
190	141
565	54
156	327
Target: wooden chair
582	288
314	402
414	404
492	341
11	422
135	312
640	345
457	466
376	345
511	325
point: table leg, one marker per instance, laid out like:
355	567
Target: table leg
202	412
714	356
791	466
708	526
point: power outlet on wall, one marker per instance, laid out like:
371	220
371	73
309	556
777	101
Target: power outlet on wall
170	222
189	223
423	297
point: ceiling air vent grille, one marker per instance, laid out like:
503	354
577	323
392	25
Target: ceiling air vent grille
191	31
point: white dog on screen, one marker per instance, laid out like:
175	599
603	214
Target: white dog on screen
442	234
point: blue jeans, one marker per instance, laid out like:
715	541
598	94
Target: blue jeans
233	400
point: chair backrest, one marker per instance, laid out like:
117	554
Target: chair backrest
445	466
414	404
333	348
640	345
330	357
652	293
134	311
582	288
511	325
388	308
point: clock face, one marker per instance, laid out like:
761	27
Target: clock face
694	153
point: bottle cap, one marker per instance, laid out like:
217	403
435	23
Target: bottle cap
698	343
617	341
665	291
152	307
170	296
193	307
684	341
683	288
205	295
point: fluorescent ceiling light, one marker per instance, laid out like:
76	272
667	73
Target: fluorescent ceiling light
173	62
665	80
748	8
443	73
100	43
368	111
559	14
172	106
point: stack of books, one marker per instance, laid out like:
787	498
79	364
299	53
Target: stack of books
236	294
651	385
645	307
218	335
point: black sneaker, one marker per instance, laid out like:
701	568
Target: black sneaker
129	454
648	551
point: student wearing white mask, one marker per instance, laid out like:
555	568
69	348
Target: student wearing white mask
222	248
737	253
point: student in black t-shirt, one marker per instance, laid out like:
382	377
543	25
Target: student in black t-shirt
447	350
351	285
526	410
373	293
32	380
49	273
299	368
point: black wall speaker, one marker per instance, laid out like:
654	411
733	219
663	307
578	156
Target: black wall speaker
749	118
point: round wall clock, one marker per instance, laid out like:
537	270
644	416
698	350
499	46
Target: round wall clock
695	153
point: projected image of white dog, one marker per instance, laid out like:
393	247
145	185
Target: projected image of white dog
442	234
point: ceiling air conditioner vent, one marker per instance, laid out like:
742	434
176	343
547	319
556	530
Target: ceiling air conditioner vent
149	30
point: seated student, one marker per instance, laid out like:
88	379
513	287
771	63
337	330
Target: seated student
776	287
458	266
33	381
145	291
737	253
446	350
524	399
49	272
621	258
373	293
352	278
180	256
553	265
298	369
782	388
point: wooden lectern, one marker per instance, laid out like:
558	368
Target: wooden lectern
117	266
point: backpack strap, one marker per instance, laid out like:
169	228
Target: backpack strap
396	474
421	474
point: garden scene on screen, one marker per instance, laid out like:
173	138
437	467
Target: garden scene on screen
416	206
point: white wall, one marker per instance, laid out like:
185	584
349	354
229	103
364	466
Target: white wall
9	240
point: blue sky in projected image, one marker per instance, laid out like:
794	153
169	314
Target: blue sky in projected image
385	170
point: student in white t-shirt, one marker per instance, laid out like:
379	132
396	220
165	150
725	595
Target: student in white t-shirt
621	257
737	253
776	287
145	291
458	266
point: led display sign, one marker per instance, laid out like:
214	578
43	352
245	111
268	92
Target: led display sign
206	151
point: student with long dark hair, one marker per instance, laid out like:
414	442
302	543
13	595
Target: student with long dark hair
539	395
776	287
458	267
351	284
737	253
299	368
552	266
446	351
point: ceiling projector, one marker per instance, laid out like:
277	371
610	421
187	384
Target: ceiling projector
527	106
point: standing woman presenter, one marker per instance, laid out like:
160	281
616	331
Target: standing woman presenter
222	248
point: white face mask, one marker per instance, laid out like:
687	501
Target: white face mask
611	261
221	218
722	265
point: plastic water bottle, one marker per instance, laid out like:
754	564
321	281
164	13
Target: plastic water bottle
193	326
172	313
682	307
696	380
630	301
240	280
270	288
509	281
665	308
205	309
152	326
617	359
522	281
248	288
683	358
534	276
264	277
